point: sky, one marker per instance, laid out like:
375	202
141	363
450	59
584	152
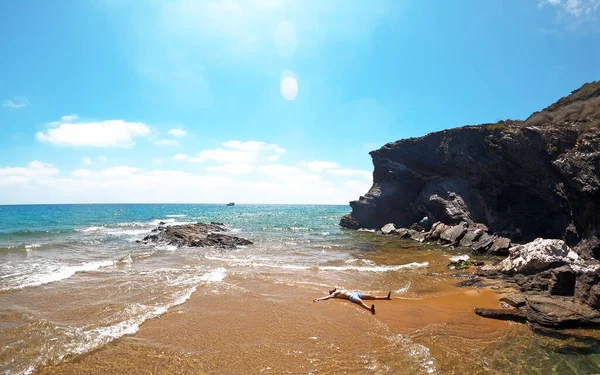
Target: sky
262	101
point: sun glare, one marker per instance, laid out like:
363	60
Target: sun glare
289	88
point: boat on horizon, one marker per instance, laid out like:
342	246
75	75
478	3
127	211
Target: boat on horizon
231	204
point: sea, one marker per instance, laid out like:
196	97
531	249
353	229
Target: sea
80	294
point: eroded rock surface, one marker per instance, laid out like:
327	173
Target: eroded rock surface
195	235
538	178
536	256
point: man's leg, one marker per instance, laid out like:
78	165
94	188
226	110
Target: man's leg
360	302
371	296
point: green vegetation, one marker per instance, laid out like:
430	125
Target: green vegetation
460	264
498	126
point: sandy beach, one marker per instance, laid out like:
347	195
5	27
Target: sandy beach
255	326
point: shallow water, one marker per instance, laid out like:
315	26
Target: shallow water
78	295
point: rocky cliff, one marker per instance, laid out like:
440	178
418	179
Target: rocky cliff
522	179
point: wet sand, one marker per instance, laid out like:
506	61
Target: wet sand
256	326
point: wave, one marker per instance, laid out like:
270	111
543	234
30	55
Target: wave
129	259
83	341
142	227
166	247
266	264
171	221
215	275
50	274
413	265
24	247
32	233
417	352
458	258
403	289
181	215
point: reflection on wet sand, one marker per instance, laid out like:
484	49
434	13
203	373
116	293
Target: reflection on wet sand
247	326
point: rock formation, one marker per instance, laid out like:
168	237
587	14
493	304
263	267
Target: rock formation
521	179
198	234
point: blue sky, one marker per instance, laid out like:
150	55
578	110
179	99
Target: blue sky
264	101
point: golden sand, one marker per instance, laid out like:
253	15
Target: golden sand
253	326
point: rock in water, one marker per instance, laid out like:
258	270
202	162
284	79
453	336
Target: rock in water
196	235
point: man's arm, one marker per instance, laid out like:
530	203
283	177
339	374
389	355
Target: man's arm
323	298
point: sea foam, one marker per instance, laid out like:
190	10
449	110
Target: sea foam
46	274
269	264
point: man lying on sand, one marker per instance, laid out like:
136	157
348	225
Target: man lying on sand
356	297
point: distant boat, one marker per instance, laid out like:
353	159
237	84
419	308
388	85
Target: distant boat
231	204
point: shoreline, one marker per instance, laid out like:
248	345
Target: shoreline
254	327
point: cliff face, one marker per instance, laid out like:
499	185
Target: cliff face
522	179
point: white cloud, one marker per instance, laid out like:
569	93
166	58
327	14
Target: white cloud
236	152
36	170
574	8
86	161
16	103
110	133
220	155
177	132
252	146
179	157
120	171
319	166
82	173
167	142
41	183
350	172
68	118
232	168
280	170
273	158
158	161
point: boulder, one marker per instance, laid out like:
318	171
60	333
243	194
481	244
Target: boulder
560	312
350	222
587	288
536	256
554	312
499	246
453	234
402	232
388	228
470	237
409	233
417	236
436	231
483	243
